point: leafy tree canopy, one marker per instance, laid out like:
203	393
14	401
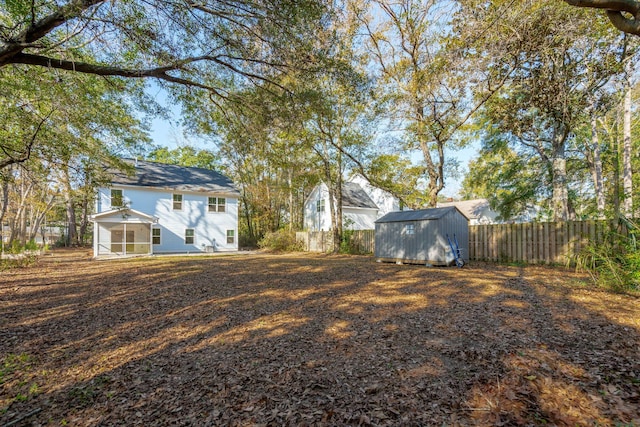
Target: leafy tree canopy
185	156
194	43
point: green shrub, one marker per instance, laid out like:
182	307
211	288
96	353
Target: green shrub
20	262
613	264
346	244
281	240
15	248
31	246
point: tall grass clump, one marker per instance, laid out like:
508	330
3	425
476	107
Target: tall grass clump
614	263
280	241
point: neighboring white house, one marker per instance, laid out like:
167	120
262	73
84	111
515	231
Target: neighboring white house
166	209
358	210
383	199
477	211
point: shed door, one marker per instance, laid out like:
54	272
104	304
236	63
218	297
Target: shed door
409	241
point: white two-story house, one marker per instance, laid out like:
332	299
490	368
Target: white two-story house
165	209
358	210
362	205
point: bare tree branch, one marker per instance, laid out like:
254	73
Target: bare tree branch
615	9
35	40
26	154
38	29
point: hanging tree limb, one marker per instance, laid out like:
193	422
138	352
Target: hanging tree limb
179	44
616	9
12	159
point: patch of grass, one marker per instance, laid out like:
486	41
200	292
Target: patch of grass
34	389
12	363
14	379
22	261
85	395
519	264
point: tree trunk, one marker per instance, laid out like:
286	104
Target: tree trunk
39	218
434	172
560	194
332	207
627	178
3	211
84	218
5	200
337	233
335	194
616	171
291	202
596	168
247	217
72	231
337	230
19	226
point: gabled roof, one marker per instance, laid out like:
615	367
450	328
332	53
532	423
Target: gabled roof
174	177
125	213
353	196
472	209
417	215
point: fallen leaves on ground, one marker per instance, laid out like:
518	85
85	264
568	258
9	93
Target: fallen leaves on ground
304	339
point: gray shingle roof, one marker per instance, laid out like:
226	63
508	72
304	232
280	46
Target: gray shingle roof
472	209
353	196
173	177
417	215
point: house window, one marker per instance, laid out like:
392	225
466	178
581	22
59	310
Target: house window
155	236
217	204
320	205
189	236
116	199
231	236
409	229
177	202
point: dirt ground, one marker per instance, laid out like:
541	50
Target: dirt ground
303	339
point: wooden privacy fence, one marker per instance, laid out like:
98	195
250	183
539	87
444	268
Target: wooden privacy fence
359	241
362	241
315	241
535	243
538	242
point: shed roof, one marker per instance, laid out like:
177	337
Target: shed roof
354	196
174	177
418	215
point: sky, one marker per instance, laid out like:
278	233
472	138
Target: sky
170	133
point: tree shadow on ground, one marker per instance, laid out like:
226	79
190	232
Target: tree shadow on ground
316	340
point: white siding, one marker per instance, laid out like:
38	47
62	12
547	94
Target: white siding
314	220
385	201
210	227
359	219
352	218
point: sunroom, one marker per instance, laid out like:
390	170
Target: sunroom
123	232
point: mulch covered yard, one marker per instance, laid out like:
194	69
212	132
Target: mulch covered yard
302	339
